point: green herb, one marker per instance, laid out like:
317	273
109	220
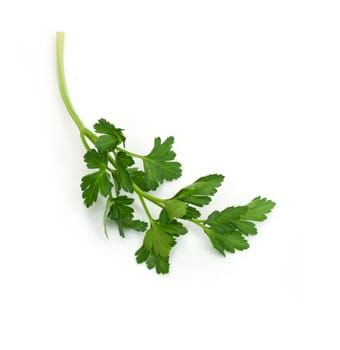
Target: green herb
113	174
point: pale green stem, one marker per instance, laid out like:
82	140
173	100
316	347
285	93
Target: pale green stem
105	217
62	82
83	139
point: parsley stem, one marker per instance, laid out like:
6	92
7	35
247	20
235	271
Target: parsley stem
83	139
146	209
130	153
151	198
112	161
105	217
198	223
62	82
90	135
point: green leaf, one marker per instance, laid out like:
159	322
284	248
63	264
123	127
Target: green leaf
230	213
245	227
157	244
153	260
229	241
106	143
123	177
138	177
223	229
226	228
97	182
122	213
124	159
199	193
192	213
138	225
174	228
95	160
106	128
159	164
111	137
171	226
223	221
175	208
258	209
156	249
159	240
93	184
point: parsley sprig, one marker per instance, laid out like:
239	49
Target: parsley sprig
114	176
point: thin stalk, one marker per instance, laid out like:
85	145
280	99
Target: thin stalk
105	217
148	196
135	155
83	140
90	135
146	209
62	83
199	223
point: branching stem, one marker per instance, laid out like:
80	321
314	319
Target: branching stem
158	201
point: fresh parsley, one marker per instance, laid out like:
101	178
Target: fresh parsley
114	176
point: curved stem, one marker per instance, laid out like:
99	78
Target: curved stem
62	82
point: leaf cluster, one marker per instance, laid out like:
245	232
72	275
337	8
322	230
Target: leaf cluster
115	176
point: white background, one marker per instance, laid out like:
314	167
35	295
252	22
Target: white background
249	89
